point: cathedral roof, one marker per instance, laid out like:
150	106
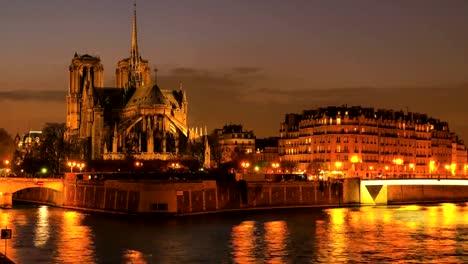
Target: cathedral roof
147	96
109	97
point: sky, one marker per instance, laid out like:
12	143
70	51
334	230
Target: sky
242	61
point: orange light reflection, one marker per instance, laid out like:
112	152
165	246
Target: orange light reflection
275	239
243	242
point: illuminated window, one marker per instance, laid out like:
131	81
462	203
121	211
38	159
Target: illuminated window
338	121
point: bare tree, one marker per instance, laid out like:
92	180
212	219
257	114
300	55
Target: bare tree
7	145
54	148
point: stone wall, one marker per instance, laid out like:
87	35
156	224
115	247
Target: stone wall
283	194
171	197
426	193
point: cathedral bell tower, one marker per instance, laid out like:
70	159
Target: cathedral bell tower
86	73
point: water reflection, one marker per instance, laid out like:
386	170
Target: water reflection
41	234
243	242
74	240
386	234
276	235
380	234
134	257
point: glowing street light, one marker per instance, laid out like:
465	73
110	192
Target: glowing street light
275	166
138	164
174	165
354	159
453	168
73	164
245	165
80	166
338	165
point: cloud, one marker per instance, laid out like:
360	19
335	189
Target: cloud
247	70
32	95
246	95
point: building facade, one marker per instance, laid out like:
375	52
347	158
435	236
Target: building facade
371	143
134	118
234	141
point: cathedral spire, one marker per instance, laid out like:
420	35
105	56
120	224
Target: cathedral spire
135	73
134	56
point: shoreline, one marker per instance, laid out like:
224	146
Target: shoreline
240	210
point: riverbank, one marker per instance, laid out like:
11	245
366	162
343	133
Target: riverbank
5	260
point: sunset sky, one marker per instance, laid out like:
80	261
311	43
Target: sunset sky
244	61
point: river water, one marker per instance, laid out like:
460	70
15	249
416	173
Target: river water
382	234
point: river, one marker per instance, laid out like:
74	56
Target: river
381	234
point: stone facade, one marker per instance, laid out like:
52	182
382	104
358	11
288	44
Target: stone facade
134	118
234	139
371	143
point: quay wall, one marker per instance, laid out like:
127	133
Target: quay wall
397	194
183	198
180	198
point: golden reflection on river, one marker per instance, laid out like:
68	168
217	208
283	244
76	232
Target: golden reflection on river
276	235
133	256
41	232
6	221
75	243
386	234
243	242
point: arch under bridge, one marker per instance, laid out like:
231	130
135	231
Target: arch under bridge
9	185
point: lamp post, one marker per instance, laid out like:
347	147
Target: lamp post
174	165
411	166
447	167
431	167
80	166
397	162
275	166
245	165
354	159
73	164
6	163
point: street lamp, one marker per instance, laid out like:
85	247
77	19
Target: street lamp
453	168
80	166
7	168
275	166
432	167
447	167
245	165
411	166
73	164
174	165
354	159
138	164
397	161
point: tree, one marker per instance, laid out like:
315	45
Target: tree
54	148
196	150
7	145
216	148
288	165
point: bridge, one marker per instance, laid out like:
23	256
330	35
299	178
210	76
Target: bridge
394	191
9	185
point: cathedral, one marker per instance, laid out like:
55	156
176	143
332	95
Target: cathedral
135	118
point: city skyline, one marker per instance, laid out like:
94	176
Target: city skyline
254	62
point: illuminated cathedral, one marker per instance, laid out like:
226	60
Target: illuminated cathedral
135	118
